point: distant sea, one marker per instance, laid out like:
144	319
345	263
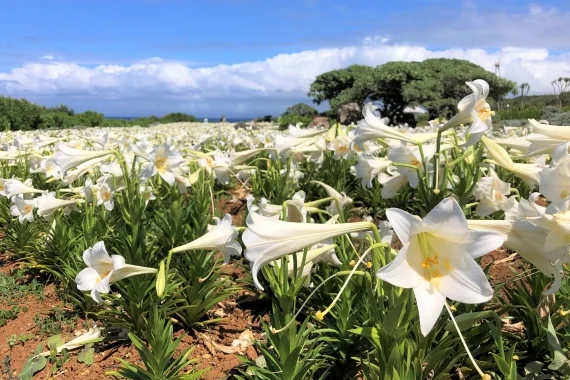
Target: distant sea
210	119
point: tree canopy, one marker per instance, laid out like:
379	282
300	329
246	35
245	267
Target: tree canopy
301	109
436	84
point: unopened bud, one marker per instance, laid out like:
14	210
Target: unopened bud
161	280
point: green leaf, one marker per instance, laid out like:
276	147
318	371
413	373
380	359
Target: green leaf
367	332
560	362
35	364
465	321
502	365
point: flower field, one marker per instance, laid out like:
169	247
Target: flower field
365	251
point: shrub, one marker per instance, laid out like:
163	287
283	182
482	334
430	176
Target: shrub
293	119
562	118
549	112
301	109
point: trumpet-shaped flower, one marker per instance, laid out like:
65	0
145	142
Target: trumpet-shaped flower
526	172
264	208
474	109
339	199
538	240
102	270
267	239
161	161
492	194
105	197
555	180
68	158
47	204
15	187
372	127
437	259
296	211
545	138
369	167
411	156
50	168
3	189
23	209
221	237
296	131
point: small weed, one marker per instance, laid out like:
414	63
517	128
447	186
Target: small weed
15	286
7	370
55	322
8	315
18	339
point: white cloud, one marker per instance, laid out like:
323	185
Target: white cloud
249	88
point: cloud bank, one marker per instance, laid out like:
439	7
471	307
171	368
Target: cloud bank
244	89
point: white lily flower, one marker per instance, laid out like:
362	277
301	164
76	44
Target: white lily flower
372	127
492	194
68	158
474	109
369	167
221	237
530	241
340	199
90	336
526	172
437	259
102	270
15	187
105	197
23	209
3	189
264	208
545	138
47	204
268	239
411	156
113	176
162	161
50	168
296	131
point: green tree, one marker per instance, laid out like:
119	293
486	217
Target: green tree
436	84
338	87
178	117
301	109
90	118
22	114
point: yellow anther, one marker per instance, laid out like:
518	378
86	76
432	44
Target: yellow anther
516	357
319	315
352	263
369	265
486	377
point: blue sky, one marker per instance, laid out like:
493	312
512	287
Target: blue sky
123	57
